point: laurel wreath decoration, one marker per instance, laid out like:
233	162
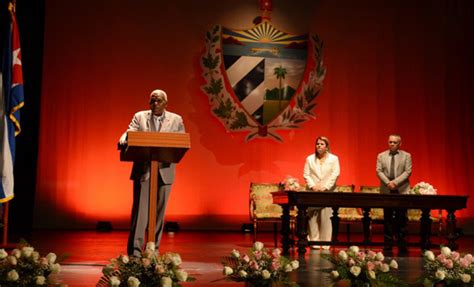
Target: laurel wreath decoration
226	107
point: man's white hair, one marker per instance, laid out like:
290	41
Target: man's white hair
159	93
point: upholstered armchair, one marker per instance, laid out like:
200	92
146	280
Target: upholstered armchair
262	208
348	215
376	214
413	215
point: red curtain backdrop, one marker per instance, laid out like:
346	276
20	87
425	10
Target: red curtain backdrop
393	67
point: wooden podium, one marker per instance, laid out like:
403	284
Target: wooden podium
154	147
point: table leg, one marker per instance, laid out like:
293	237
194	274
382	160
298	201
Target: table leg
451	234
301	223
335	224
285	229
366	225
425	229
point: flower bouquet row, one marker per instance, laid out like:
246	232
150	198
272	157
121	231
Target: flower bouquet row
290	183
151	269
261	267
25	267
448	268
423	188
362	268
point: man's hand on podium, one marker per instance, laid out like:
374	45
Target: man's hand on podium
122	140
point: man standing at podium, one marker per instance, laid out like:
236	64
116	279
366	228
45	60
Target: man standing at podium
156	119
393	170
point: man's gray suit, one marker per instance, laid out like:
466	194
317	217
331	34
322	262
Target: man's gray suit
402	171
394	218
143	121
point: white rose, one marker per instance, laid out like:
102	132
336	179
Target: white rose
343	255
466	278
150	246
12	260
125	259
134	282
355	270
12	275
394	264
55	268
16	253
114	281
384	267
379	256
166	282
372	274
176	260
148	253
51	258
440	274
3	254
295	264
40	280
181	275
288	268
445	251
258	245
334	274
354	249
235	253
27	251
35	256
265	274
242	273
429	255
108	269
227	271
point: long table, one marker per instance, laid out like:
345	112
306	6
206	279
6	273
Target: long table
304	199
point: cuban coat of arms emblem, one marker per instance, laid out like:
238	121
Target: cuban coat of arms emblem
260	80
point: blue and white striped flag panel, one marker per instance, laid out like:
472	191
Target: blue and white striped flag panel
264	66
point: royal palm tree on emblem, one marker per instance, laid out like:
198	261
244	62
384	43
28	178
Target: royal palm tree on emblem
280	73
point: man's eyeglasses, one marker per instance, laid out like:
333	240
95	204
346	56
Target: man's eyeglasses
159	101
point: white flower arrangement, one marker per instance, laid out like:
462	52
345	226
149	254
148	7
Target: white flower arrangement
448	267
25	267
151	269
290	183
362	268
260	267
423	188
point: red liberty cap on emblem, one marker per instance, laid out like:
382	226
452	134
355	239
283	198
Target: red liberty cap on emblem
266	5
266	8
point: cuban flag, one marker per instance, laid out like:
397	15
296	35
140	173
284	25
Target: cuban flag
11	102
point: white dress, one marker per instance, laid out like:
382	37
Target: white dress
325	174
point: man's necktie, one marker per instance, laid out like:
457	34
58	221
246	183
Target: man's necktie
160	123
156	124
391	175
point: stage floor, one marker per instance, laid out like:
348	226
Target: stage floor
88	251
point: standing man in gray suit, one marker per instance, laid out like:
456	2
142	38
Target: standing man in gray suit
156	119
394	169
